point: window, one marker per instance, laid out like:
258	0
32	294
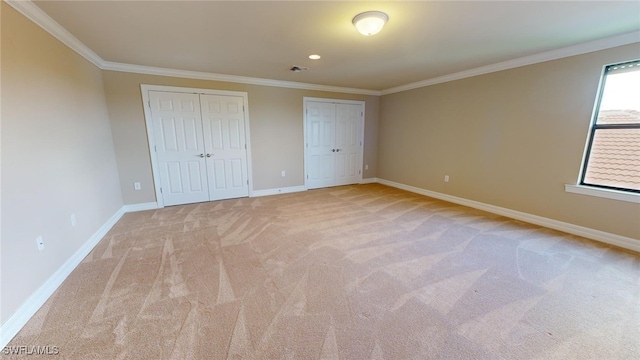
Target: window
612	158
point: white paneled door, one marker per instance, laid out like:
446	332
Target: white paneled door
200	146
333	143
348	143
320	144
179	145
224	140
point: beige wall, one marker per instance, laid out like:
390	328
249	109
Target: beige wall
275	117
511	138
57	157
73	140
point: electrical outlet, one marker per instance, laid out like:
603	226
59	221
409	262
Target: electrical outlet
40	243
283	173
136	185
366	167
446	178
73	219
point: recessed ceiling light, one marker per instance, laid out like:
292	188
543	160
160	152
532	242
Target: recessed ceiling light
314	57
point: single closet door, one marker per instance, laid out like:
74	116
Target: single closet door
320	144
348	143
223	121
179	146
333	143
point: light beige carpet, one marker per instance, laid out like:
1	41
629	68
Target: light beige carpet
355	272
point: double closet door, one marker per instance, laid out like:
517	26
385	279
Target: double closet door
333	143
200	146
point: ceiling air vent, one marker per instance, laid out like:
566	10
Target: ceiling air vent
298	68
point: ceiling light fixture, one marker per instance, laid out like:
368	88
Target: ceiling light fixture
314	57
370	22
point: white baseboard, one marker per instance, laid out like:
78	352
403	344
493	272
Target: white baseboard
11	327
605	237
277	191
140	207
369	181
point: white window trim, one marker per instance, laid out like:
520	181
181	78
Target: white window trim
603	193
594	190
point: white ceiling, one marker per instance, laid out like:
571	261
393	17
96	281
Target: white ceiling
263	39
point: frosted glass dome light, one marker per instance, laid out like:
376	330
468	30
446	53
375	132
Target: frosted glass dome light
370	22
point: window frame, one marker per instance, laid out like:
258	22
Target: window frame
594	126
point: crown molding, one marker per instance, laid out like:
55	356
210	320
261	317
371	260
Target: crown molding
591	46
40	18
583	48
149	70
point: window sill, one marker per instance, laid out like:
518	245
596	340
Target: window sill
603	193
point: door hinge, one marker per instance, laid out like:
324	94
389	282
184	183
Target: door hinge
307	176
245	146
149	102
359	172
160	190
360	143
247	181
155	148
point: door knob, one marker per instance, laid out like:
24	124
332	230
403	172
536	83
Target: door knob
333	150
209	155
337	150
201	155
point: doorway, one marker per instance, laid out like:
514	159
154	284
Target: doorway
333	142
199	144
